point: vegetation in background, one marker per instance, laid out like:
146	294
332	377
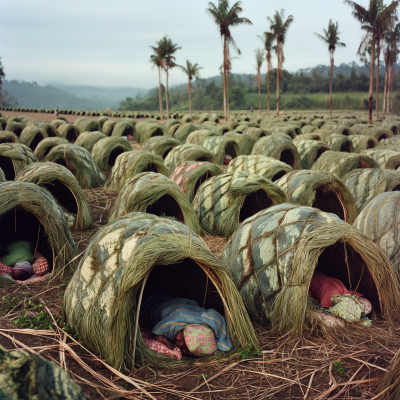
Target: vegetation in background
2	76
192	71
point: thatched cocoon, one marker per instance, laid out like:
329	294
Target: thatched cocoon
125	128
322	190
339	143
8	137
384	158
223	148
222	129
187	152
341	164
88	139
224	201
362	142
50	129
203	118
310	151
45	146
80	162
378	133
245	142
279	148
272	257
172	129
324	134
155	193
184	130
267	167
102	120
306	136
160	145
106	151
366	184
169	254
191	174
29	212
69	132
392	126
131	163
146	131
308	129
380	221
15	127
2	176
14	157
393	141
32	136
57	122
339	129
187	118
108	127
197	136
255	132
60	182
359	127
88	125
171	122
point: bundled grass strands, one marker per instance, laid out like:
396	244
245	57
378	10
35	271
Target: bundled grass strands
60	182
338	129
106	151
80	162
173	128
2	176
155	193
147	131
241	128
272	257
102	120
245	142
125	128
160	145
101	300
131	163
366	184
222	129
203	118
8	137
88	139
324	134
318	122
69	132
184	130
108	127
50	129
393	141
340	143
378	133
280	148
340	164
384	158
196	137
232	124
306	136
391	380
15	127
223	148
380	220
191	174
88	125
29	376
322	190
171	122
57	122
308	129
187	152
392	127
187	118
255	132
32	136
358	128
360	143
45	146
267	167
29	212
60	118
14	157
310	151
224	201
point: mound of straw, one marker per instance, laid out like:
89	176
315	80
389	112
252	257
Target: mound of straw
69	132
310	151
384	157
45	146
220	147
88	139
19	155
32	136
8	137
160	145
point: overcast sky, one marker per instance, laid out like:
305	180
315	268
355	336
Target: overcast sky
106	43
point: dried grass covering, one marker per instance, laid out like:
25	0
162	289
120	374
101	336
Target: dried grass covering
32	136
220	147
88	139
14	157
69	132
148	130
197	136
310	151
245	142
8	137
45	146
362	142
340	143
384	158
160	145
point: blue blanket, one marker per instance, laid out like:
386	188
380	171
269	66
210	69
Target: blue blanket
166	316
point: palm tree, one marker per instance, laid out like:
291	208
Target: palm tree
158	61
279	28
268	39
258	79
2	75
192	71
225	17
372	21
331	38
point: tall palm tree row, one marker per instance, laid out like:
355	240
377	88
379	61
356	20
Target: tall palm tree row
331	38
192	71
268	40
279	27
226	17
2	76
157	59
258	79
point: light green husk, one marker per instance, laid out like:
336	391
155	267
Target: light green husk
88	139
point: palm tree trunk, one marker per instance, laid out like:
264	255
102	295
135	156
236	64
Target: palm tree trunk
166	97
330	89
391	100
268	89
259	91
377	77
1	92
277	82
159	91
227	94
223	80
384	92
190	99
388	89
371	78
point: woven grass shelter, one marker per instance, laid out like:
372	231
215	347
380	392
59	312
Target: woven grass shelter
366	184
280	148
147	131
380	221
29	212
46	145
155	193
267	167
149	253
393	127
8	137
187	152
341	164
272	257
14	157
197	136
131	163
88	139
125	128
192	174
393	141
339	143
187	118
221	147
310	151
184	131
171	122
50	129
222	129
172	129
224	201
57	122
103	119
245	142
32	136
322	190
306	136
60	182
88	125
362	142
384	158
70	132
80	162
15	127
106	151
378	133
108	126
160	145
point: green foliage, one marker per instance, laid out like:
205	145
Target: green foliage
9	100
250	352
339	367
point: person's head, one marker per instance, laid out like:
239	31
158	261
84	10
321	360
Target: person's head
197	340
22	271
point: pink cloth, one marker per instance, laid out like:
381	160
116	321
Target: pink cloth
322	287
157	346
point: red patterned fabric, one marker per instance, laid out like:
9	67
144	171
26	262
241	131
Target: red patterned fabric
40	266
4	269
157	346
35	279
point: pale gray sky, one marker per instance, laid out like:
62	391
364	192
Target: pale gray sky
106	43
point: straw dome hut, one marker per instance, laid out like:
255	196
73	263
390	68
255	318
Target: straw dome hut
197	136
306	136
15	127
148	130
245	142
184	131
384	158
160	145
8	137
32	136
360	143
14	157
69	132
223	148
310	151
126	128
45	146
339	143
88	139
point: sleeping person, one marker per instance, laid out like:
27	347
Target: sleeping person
183	323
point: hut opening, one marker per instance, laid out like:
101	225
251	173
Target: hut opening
253	203
320	152
114	154
166	152
128	132
158	132
230	153
71	135
278	176
201	180
287	157
150	168
8	168
63	195
18	130
166	206
36	140
329	201
345	147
